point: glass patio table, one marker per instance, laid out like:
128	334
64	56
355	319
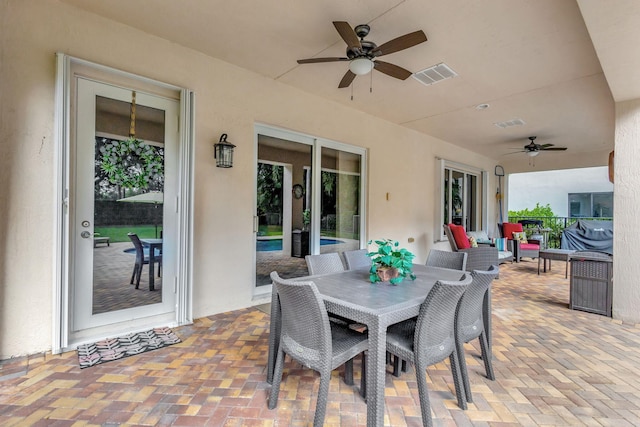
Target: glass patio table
350	294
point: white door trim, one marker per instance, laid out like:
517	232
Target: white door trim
184	201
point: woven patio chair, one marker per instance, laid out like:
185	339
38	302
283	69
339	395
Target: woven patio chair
431	338
142	259
324	263
308	337
357	259
470	323
445	259
480	258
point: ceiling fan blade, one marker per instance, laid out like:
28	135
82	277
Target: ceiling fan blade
400	43
347	79
392	70
316	60
543	146
348	35
554	149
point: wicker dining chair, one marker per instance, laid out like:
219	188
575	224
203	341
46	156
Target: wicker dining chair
142	259
324	263
431	338
470	323
447	259
356	259
308	337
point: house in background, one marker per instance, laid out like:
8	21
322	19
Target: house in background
565	69
575	193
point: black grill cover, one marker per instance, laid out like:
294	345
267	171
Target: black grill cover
589	235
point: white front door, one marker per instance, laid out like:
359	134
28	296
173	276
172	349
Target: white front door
101	266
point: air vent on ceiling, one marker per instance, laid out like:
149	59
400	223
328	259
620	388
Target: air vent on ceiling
435	74
510	123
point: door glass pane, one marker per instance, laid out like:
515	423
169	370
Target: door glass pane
128	198
282	184
471	203
457	195
340	201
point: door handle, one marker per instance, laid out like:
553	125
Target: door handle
85	234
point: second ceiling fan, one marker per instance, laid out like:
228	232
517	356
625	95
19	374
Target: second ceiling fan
362	54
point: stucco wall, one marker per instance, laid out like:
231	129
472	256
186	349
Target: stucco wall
626	199
229	100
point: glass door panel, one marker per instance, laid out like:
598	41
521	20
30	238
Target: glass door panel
340	201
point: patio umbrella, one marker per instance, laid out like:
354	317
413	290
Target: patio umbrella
154	197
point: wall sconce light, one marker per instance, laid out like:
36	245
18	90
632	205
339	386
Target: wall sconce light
223	152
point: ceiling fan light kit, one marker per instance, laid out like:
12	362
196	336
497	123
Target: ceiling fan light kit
361	66
361	53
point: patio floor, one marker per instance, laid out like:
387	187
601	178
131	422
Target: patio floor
553	366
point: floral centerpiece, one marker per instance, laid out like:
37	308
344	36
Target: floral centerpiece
390	263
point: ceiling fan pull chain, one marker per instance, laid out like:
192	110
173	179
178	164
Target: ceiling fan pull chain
371	83
352	92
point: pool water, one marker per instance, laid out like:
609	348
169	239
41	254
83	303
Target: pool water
276	244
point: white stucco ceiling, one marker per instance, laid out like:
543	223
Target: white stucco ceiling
532	60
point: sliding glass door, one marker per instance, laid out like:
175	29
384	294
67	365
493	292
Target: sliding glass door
309	200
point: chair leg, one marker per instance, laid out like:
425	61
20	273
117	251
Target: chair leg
363	376
486	356
396	366
277	378
323	395
133	276
423	392
139	275
457	380
348	372
464	371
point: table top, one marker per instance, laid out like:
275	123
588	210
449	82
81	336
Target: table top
353	288
557	251
152	241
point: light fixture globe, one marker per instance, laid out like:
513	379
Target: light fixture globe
532	153
361	66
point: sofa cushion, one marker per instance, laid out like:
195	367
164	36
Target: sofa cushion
508	228
529	246
501	244
480	236
522	236
460	236
504	254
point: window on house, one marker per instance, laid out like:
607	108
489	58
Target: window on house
591	205
461	197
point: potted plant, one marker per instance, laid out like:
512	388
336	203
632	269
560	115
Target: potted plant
306	219
390	263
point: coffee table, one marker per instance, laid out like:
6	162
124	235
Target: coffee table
555	254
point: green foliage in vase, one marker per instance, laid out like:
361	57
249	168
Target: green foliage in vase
390	255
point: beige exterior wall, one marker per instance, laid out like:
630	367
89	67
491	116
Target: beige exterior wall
626	200
228	100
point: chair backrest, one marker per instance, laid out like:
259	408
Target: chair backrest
138	245
324	263
452	241
305	330
445	259
357	259
469	319
434	339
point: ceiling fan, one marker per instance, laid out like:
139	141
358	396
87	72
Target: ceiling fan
532	149
362	54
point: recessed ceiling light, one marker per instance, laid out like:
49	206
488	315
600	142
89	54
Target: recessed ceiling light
482	106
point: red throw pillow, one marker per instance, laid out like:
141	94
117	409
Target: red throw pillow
460	236
508	228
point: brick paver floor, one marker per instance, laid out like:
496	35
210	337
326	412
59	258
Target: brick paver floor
553	366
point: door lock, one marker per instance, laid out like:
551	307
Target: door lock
85	234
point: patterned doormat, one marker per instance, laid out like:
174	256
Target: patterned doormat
121	347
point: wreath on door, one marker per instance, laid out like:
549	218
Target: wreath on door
131	163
